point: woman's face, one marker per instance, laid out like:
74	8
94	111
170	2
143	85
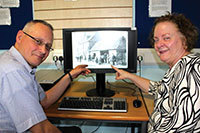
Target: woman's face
169	43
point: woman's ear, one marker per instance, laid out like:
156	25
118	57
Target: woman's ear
184	42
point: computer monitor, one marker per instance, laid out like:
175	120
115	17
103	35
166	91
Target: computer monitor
100	48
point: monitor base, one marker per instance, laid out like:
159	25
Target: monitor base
105	93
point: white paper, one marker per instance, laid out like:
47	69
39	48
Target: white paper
5	18
9	3
158	8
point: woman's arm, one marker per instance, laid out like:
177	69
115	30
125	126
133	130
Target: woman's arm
142	83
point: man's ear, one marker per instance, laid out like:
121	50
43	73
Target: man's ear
19	35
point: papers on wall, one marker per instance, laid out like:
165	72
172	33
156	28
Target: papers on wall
5	5
9	3
5	18
158	8
133	15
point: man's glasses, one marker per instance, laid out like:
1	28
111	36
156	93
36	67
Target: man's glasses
39	42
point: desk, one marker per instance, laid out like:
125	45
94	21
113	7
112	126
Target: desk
47	78
79	89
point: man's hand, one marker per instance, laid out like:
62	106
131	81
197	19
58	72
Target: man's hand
80	69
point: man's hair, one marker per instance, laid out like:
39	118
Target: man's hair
32	22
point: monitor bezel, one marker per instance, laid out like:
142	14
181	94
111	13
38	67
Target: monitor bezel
132	47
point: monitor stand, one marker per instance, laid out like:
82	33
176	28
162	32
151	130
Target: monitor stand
100	90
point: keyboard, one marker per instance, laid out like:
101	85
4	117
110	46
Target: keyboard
101	104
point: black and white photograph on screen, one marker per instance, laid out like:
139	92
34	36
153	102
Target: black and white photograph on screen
100	49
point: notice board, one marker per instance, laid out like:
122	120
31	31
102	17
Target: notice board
19	17
144	23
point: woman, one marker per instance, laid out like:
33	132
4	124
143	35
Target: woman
177	100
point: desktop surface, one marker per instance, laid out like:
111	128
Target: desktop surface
48	76
79	88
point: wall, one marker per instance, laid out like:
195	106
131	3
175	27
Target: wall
82	14
107	13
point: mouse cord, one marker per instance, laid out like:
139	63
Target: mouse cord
140	58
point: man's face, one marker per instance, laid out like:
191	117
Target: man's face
33	53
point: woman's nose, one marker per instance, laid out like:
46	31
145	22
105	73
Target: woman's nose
158	43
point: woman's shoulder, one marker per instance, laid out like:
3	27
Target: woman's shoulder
193	57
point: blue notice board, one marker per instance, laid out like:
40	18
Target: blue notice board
144	23
19	17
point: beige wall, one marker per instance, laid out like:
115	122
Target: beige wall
87	13
82	14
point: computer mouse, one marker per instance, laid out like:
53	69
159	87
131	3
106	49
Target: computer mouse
137	103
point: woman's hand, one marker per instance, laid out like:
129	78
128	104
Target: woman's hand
121	74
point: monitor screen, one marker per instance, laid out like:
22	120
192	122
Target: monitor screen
100	48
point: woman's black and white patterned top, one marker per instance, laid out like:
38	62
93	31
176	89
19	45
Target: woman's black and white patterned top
177	98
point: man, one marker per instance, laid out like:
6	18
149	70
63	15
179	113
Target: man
21	97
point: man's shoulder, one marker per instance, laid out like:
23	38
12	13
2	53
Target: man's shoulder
9	62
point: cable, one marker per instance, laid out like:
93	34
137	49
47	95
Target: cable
96	128
82	123
91	77
125	87
131	83
140	58
126	129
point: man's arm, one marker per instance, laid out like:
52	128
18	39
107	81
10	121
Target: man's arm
44	127
57	90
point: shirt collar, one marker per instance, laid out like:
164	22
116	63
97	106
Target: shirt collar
177	63
21	59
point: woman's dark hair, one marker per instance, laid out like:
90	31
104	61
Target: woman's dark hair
184	25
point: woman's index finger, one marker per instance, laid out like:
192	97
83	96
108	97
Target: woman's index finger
116	69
